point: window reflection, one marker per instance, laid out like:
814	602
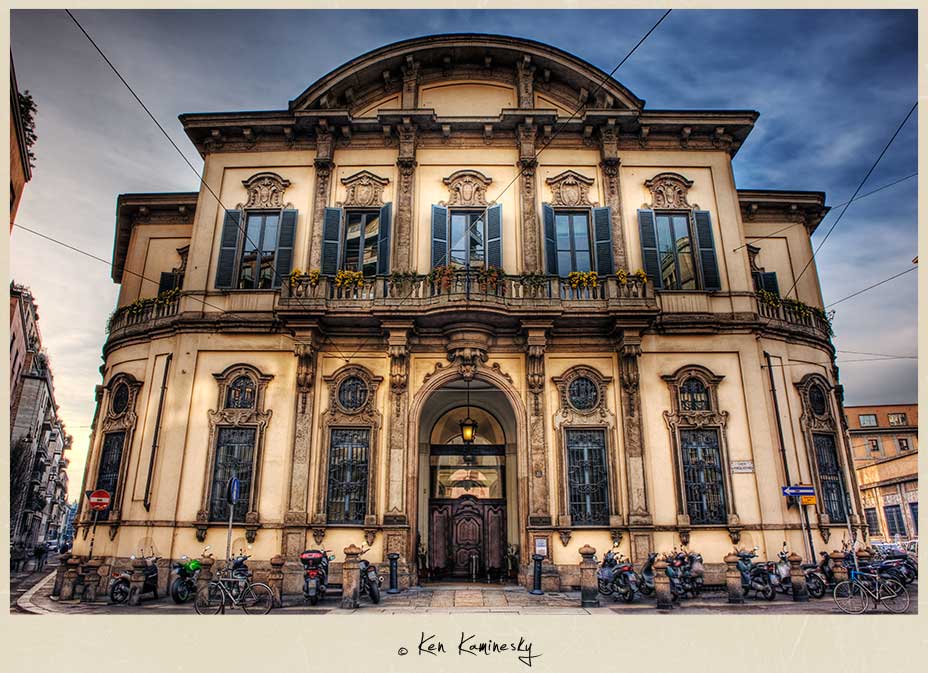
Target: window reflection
675	252
453	477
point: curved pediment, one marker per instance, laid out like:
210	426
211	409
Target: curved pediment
438	71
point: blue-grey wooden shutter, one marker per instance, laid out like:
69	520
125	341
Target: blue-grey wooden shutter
602	240
495	236
228	248
647	232
383	242
706	246
439	236
550	238
285	246
331	239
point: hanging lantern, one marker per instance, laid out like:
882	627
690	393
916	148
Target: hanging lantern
468	425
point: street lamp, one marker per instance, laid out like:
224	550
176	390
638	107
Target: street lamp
468	429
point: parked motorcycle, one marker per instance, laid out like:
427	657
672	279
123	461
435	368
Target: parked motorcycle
685	580
646	577
817	575
617	576
120	588
754	575
370	579
695	571
780	578
604	575
315	573
185	583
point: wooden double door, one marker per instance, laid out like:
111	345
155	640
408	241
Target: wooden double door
463	528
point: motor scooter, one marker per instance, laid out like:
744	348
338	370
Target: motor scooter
120	589
315	573
754	575
646	576
370	579
185	583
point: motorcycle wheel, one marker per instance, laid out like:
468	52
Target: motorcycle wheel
314	599
815	586
119	592
180	592
647	590
768	593
374	592
605	588
628	596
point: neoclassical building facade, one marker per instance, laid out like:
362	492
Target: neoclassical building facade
455	234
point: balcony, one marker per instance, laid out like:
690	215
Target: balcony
791	315
521	296
142	315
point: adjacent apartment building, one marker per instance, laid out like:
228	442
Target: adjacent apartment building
403	325
20	161
884	443
38	441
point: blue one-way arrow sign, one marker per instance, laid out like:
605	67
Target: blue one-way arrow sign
790	491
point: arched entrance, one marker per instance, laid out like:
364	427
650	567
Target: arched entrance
468	504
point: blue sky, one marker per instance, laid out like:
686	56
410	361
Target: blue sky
830	86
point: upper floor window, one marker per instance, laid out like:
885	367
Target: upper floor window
898	419
874	445
256	265
467	237
867	420
694	396
573	242
903	443
241	393
675	252
362	235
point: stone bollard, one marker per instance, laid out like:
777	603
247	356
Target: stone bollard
136	581
91	572
662	586
733	580
837	566
589	591
351	577
70	579
863	557
275	579
797	578
59	576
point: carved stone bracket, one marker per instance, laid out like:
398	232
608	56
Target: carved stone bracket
266	190
370	534
410	96
305	352
365	190
570	189
318	534
564	534
467	345
467	188
616	535
669	190
684	534
525	82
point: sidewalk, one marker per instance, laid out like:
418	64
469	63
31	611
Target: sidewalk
465	598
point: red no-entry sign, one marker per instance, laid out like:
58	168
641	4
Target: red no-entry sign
99	500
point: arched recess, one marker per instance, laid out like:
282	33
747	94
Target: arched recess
515	428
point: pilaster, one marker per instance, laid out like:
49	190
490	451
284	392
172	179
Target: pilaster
535	344
325	147
406	167
531	257
609	149
629	351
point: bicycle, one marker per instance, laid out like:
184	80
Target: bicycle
854	595
253	597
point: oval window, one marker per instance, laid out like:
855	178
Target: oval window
120	399
352	393
583	394
817	400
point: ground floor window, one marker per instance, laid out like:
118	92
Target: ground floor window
894	523
829	474
235	448
702	476
348	475
873	522
586	477
110	460
913	507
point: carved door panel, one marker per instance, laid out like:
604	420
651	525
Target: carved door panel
495	517
467	535
439	536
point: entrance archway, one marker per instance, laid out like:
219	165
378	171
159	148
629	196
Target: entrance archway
468	504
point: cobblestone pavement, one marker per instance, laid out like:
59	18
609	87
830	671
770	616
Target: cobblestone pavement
465	597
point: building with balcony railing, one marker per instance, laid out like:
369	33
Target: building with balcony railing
402	324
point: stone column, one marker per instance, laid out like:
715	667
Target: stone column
662	586
531	255
396	517
91	572
325	147
403	260
535	343
59	575
136	581
609	148
70	578
798	579
275	579
206	573
295	520
351	577
837	566
733	580
589	591
638	511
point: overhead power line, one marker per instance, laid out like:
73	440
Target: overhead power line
866	289
853	196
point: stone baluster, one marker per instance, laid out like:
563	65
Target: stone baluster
662	586
206	573
837	566
797	578
589	591
137	581
351	577
275	579
733	579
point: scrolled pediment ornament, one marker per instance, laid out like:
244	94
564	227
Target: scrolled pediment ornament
570	189
669	190
365	190
467	188
266	190
583	395
353	396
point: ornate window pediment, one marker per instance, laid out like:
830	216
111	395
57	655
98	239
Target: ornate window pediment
365	190
816	409
694	397
570	189
669	191
582	392
467	188
120	412
352	394
266	191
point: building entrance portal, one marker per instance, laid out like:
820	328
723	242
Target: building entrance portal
468	517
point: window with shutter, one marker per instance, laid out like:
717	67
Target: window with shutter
228	248
572	241
285	240
495	236
550	238
331	237
383	254
711	280
361	242
649	256
602	236
439	236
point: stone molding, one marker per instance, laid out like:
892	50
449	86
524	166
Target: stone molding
669	191
467	188
265	191
570	189
365	190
